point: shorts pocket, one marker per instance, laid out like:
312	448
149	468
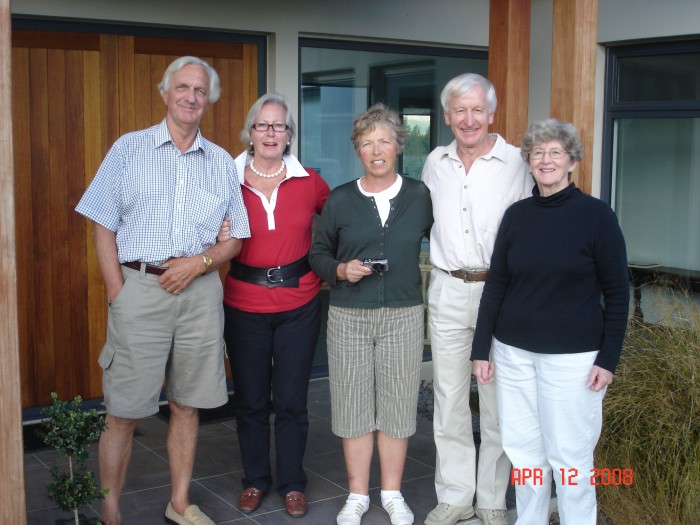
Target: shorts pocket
117	299
106	356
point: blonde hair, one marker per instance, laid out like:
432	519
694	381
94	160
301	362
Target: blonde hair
378	114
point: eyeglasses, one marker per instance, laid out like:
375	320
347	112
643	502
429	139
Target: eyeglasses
264	126
554	154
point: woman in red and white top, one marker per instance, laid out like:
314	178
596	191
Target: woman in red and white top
272	307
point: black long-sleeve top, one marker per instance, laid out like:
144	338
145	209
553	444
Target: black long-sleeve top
558	281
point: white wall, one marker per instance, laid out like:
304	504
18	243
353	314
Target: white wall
620	20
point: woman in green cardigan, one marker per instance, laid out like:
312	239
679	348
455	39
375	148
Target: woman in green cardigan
367	248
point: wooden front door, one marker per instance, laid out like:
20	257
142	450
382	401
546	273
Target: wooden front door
74	94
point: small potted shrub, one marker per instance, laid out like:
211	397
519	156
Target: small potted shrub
69	430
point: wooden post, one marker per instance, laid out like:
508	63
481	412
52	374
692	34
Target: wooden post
509	65
13	509
574	35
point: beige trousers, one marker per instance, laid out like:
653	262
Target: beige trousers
452	311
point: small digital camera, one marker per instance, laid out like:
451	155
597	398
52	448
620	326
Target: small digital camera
376	265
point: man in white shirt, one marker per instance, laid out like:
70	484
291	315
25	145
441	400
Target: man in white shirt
472	181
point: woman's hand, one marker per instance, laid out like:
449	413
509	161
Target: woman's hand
352	271
483	371
599	378
223	235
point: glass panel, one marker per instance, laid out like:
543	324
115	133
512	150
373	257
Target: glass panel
656	178
659	78
327	114
339	84
417	147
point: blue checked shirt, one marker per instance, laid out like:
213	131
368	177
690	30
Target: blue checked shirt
163	203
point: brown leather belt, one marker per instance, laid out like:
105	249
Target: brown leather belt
153	270
468	275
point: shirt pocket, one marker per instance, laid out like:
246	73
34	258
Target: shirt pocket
490	212
207	212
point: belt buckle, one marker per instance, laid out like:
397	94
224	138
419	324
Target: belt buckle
270	278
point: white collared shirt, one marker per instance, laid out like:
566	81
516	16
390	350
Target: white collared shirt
294	169
468	207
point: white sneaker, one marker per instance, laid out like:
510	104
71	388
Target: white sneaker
398	510
492	516
446	514
352	512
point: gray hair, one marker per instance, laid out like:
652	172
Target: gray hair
176	65
254	113
542	131
378	114
463	84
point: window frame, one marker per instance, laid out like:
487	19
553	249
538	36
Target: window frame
613	109
428	51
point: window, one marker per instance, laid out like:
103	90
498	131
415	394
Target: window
651	163
342	79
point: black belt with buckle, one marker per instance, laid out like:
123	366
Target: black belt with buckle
468	275
286	276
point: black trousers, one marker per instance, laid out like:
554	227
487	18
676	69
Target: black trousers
271	357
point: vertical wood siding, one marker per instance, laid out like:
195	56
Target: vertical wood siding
73	95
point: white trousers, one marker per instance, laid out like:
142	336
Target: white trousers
550	424
452	307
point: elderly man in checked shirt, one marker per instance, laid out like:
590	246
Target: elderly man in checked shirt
157	202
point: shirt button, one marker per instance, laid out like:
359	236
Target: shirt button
466	231
460	165
465	186
464	209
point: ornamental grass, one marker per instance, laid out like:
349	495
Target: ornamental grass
651	420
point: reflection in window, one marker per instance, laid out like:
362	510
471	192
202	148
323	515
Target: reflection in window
327	114
653	162
662	78
657	190
340	80
417	125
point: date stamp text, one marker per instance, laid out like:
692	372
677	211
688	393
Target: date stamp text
570	476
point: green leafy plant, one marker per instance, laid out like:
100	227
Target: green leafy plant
69	430
651	420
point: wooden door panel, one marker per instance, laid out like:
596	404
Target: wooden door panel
55	289
21	145
42	320
74	94
93	299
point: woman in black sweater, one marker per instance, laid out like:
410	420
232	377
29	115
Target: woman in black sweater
555	307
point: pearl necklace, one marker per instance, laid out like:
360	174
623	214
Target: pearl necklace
266	175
